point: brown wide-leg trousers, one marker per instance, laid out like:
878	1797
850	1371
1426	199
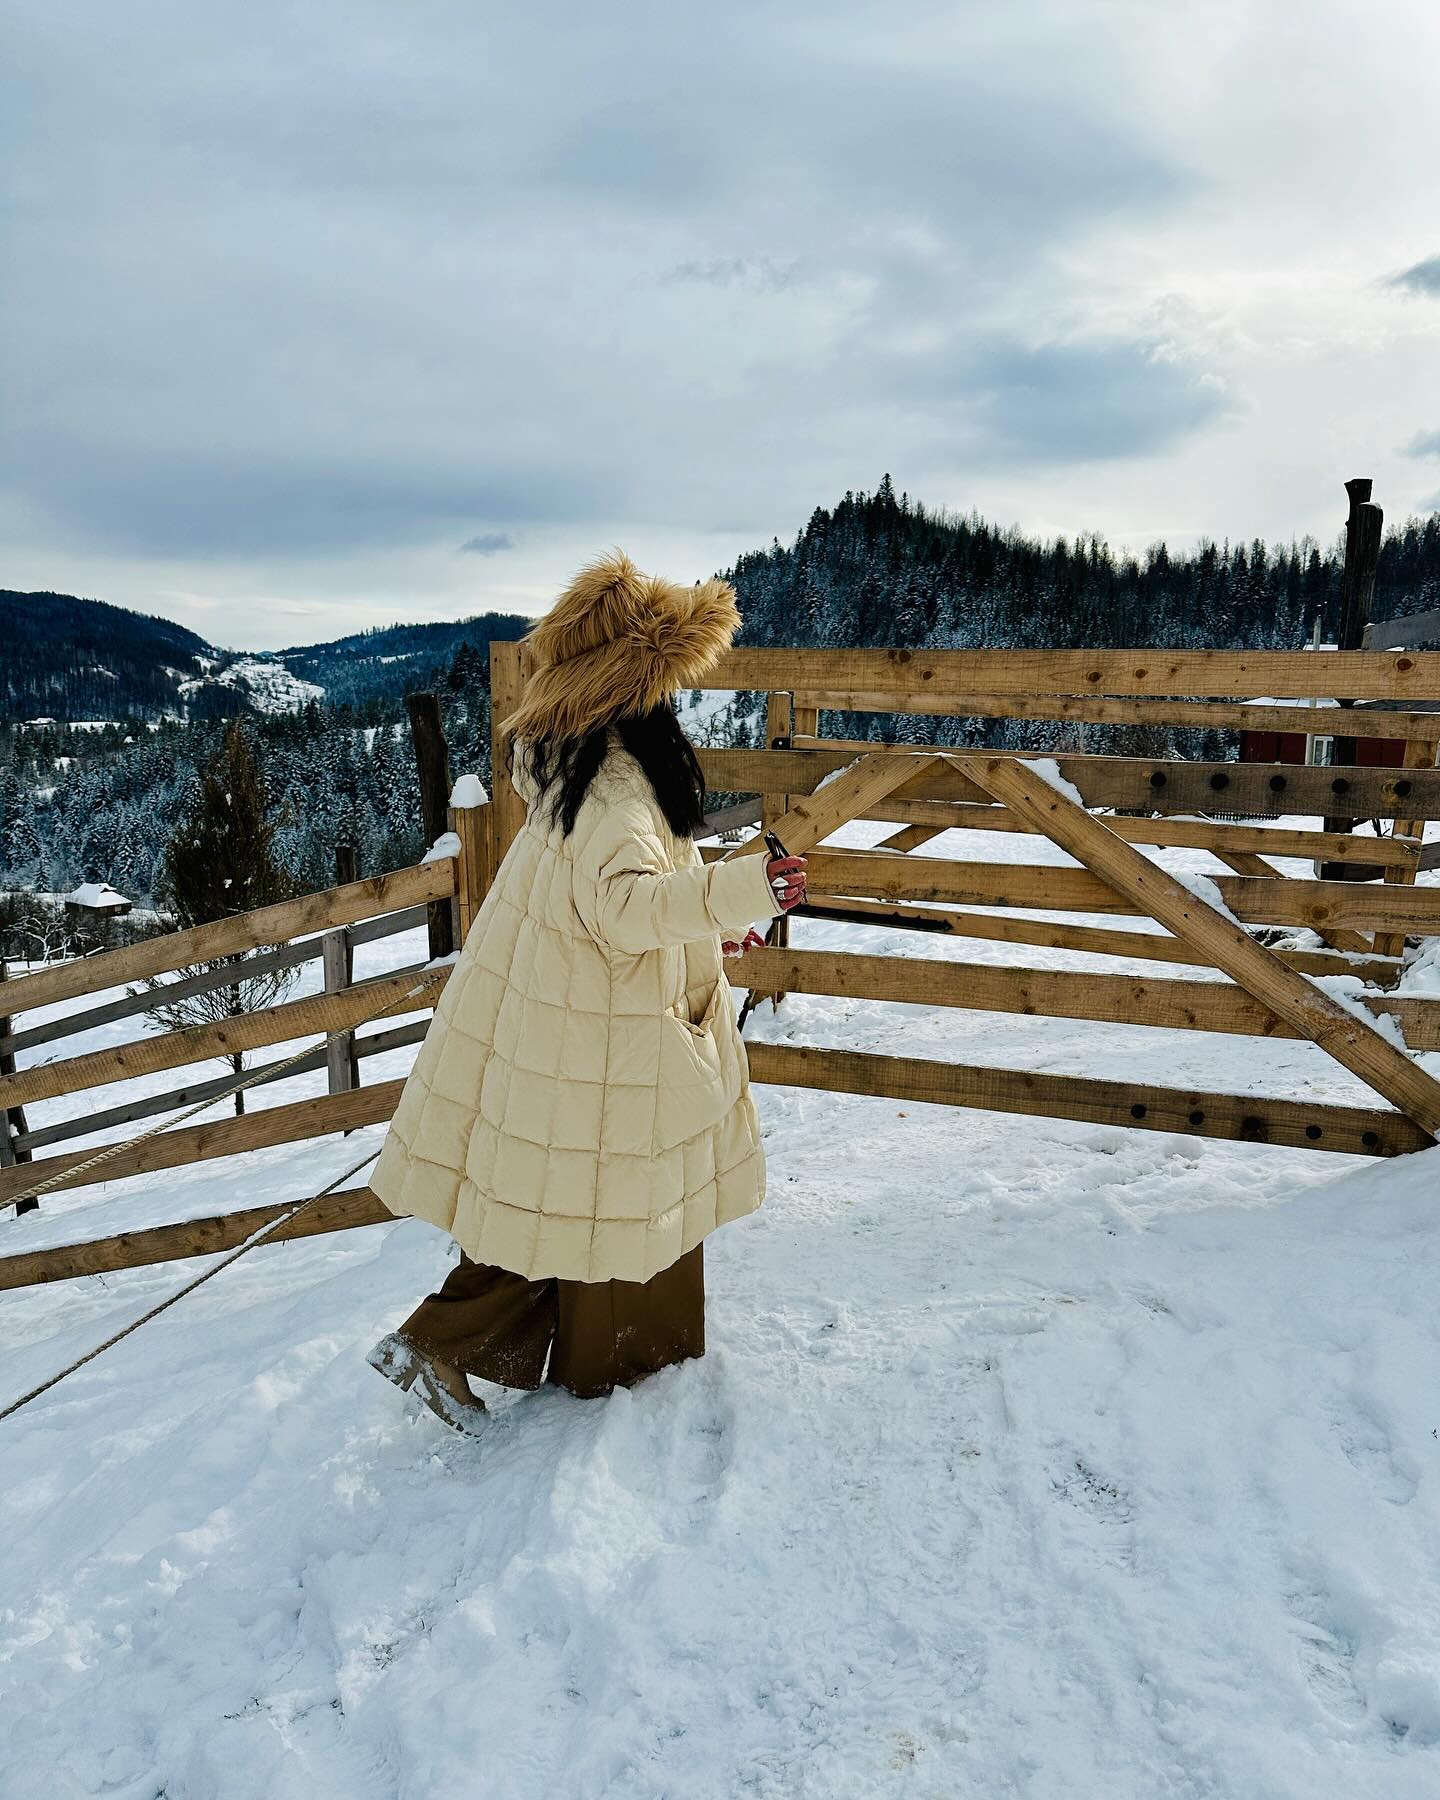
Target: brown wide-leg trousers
598	1335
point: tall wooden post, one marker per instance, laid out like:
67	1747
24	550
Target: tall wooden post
779	729
342	1066
1420	753
475	866
12	1122
433	761
507	683
1357	594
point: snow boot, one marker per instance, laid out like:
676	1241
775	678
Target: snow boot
449	1399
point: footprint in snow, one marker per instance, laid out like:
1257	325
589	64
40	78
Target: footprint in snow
1368	1447
1100	1514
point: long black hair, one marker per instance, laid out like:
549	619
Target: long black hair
562	769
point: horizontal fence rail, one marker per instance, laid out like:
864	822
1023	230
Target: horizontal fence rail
1132	784
375	1043
248	968
1176	1005
1227	674
1178	833
268	925
1092	940
1190	715
1255	900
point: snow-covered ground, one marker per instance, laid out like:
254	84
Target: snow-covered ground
1029	1459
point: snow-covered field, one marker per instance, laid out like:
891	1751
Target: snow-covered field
1028	1459
272	687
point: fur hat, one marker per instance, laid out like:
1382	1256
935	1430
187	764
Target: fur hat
618	642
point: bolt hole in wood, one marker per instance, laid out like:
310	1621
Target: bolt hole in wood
1312	1132
1158	778
1197	1117
1138	1111
1219	781
1277	784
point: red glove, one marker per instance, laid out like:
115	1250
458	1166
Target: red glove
753	941
786	875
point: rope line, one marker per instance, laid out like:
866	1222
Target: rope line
256	1237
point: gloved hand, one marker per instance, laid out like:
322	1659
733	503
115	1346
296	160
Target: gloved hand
786	875
752	941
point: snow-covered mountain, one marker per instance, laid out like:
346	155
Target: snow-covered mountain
66	660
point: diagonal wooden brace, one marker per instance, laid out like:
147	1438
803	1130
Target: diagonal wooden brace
1217	940
864	783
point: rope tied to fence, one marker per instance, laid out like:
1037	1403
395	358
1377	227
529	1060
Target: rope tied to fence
258	1236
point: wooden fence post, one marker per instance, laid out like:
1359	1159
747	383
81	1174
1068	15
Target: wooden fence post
433	761
507	683
779	729
12	1120
1420	753
474	868
342	1066
1357	592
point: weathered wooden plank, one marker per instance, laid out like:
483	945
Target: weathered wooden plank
507	686
1400	852
1152	785
288	1124
374	1043
1420	753
344	1211
811	817
1228	674
1166	1003
226	1037
288	956
230	937
1314	1014
1189	715
1317	905
342	1070
1091	940
1352	1129
911	837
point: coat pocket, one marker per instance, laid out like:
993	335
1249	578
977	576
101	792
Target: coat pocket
699	1077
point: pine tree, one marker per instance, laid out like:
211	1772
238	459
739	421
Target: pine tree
219	862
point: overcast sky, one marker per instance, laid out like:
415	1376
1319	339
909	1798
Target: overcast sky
316	317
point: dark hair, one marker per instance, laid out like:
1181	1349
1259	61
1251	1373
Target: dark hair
563	768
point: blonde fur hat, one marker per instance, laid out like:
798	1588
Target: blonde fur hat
616	643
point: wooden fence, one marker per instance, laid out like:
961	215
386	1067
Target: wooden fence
1101	809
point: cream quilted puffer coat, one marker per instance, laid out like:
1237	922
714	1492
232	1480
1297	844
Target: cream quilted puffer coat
581	1106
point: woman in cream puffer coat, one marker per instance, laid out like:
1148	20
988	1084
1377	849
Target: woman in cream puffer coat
579	1117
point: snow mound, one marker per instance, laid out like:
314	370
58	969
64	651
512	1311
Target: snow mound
469	790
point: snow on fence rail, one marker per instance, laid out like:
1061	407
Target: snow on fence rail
807	786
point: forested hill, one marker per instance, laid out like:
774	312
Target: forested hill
70	660
883	569
65	658
393	660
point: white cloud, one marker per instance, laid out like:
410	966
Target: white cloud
299	302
